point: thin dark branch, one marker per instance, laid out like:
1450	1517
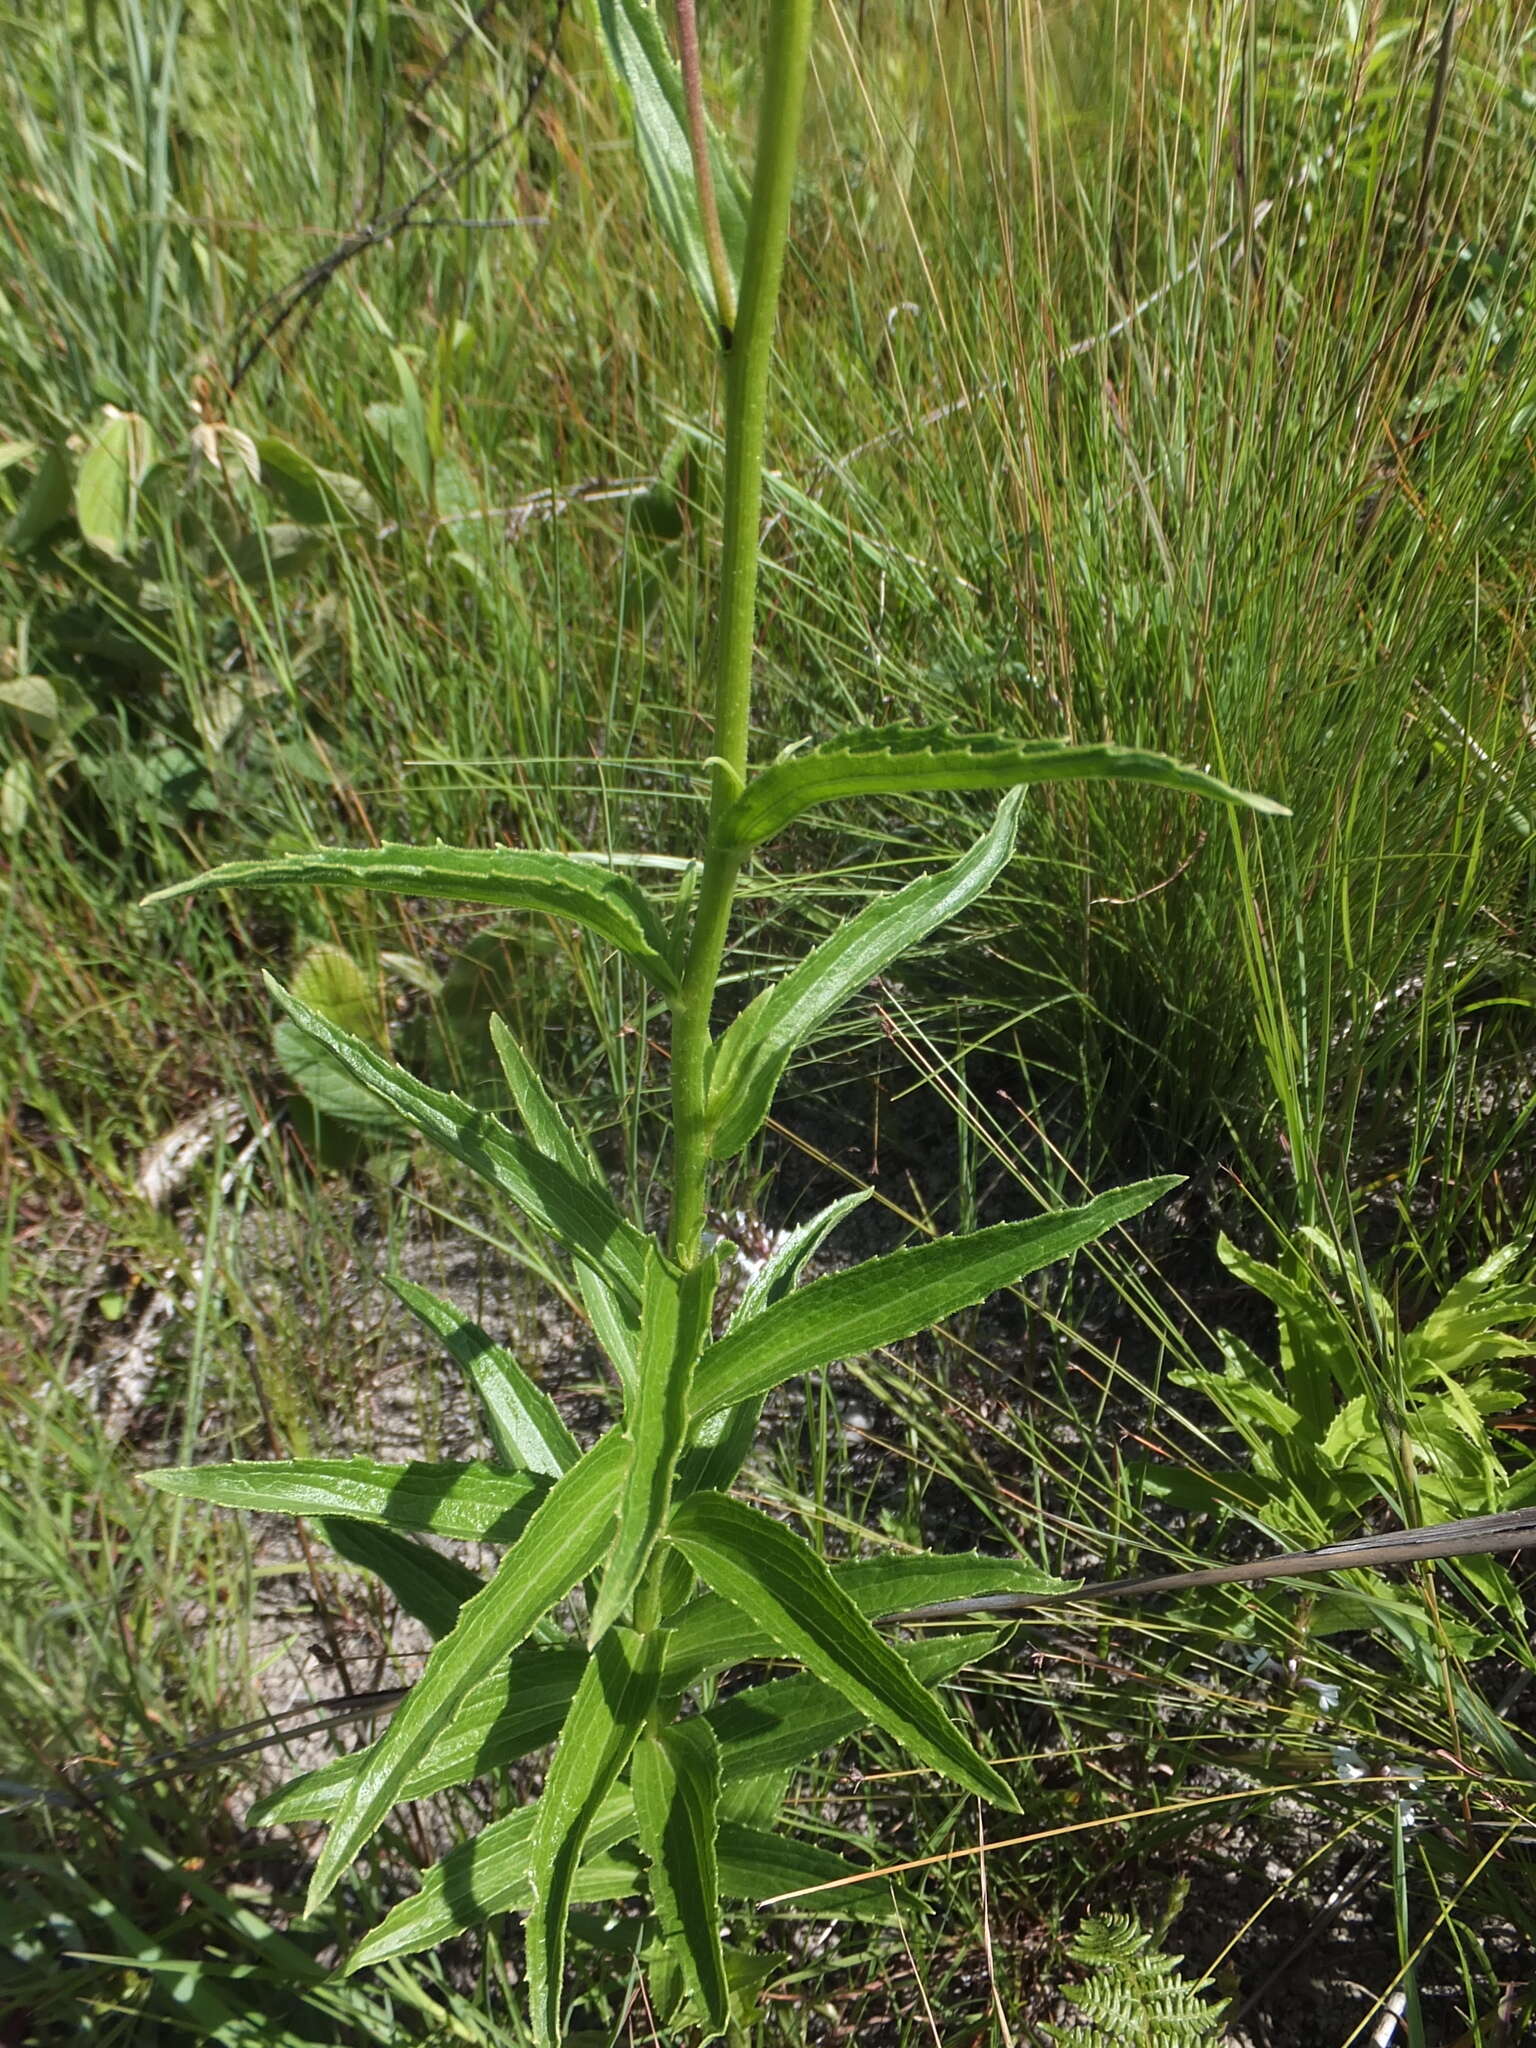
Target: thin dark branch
260	328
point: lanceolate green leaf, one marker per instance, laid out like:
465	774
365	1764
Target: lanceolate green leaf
565	1538
642	68
473	1502
773	1727
488	1876
712	1633
614	1324
781	1270
756	1864
515	1709
777	1579
676	1780
674	1323
752	1053
541	1114
724	1439
604	903
893	760
428	1585
613	1700
886	1299
578	1216
523	1423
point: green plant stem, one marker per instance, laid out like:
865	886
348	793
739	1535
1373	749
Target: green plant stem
746	405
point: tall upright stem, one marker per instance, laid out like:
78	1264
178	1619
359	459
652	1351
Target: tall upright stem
746	407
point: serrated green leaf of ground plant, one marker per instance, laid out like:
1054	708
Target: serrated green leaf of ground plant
512	1711
845	1314
891	761
429	1586
761	1863
606	904
751	1054
579	1217
565	1538
676	1782
612	1703
772	1727
641	64
522	1421
674	1323
476	1503
776	1578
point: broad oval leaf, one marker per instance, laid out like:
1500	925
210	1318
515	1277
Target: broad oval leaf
612	1703
894	760
565	1538
775	1577
46	503
582	1219
308	494
648	81
886	1299
475	1503
524	1424
752	1053
114	465
554	884
676	1783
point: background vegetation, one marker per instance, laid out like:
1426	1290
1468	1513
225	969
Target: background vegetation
1147	374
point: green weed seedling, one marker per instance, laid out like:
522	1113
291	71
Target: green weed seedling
1357	1408
673	1578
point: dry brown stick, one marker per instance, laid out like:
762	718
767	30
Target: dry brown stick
1476	1536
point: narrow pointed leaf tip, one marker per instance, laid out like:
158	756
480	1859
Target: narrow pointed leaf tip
576	1213
883	1300
775	1577
606	904
892	761
752	1053
564	1539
